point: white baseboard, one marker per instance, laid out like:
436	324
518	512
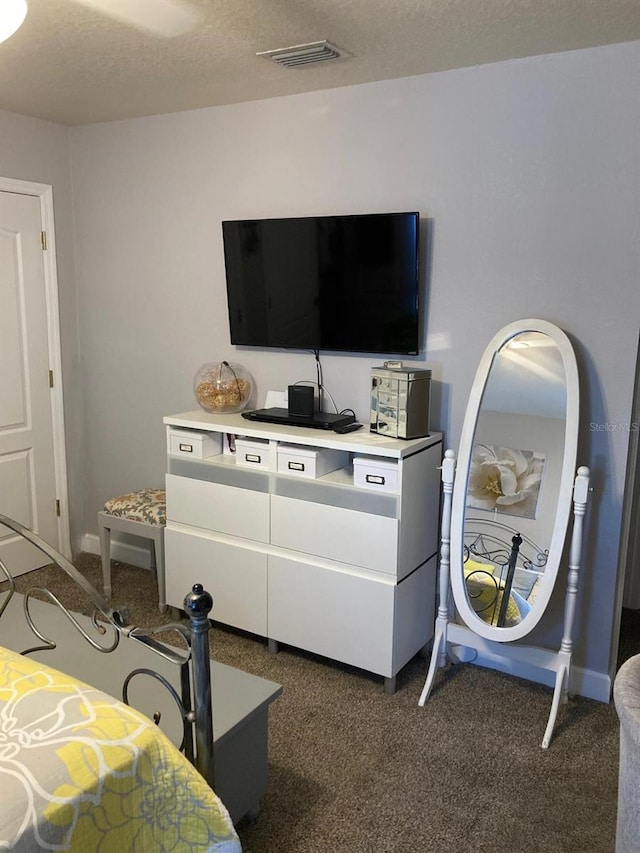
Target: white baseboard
123	552
584	682
593	685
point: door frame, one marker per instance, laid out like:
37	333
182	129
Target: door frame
44	192
630	535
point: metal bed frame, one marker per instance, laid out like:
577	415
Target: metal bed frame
194	701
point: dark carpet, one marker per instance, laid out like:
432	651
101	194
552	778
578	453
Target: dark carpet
354	770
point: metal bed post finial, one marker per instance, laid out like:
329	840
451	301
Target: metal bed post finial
198	603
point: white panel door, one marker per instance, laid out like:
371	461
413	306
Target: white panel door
27	465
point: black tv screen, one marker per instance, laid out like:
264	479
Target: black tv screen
342	283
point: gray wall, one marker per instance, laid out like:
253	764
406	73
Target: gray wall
38	151
527	173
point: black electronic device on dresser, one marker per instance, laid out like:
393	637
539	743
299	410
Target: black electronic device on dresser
339	283
301	400
318	420
301	412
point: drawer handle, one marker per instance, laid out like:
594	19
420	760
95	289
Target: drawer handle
296	466
252	457
375	479
185	448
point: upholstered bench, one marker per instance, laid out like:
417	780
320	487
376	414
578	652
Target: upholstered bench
144	514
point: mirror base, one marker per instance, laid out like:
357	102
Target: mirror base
522	660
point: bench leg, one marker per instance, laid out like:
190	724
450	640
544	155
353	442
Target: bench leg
105	552
158	547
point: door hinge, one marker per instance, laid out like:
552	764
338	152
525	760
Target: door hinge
58	507
51	379
43	240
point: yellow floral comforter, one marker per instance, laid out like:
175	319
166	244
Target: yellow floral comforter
80	771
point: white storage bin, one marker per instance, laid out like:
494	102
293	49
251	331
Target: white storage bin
255	453
312	462
197	445
370	472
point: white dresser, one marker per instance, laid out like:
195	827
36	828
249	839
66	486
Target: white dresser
317	562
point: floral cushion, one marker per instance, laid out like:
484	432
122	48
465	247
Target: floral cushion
148	506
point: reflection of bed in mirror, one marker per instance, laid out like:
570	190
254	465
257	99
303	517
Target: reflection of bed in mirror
493	563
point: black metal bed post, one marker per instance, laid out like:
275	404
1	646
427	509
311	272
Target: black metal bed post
187	711
198	604
516	542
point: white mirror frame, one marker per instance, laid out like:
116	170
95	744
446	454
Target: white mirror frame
564	506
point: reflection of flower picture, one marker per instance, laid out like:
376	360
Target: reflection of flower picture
505	480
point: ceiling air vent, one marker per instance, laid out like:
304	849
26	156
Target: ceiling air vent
304	54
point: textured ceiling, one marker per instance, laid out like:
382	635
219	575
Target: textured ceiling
74	65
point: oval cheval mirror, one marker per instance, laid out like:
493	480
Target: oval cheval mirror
506	510
514	477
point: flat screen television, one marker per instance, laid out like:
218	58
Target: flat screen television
341	283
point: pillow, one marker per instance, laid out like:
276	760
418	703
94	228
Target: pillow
485	594
477	566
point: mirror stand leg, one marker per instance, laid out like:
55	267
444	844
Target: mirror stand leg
438	659
439	649
559	693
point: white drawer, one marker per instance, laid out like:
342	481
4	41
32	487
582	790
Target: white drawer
196	445
256	453
344	535
212	506
235	576
339	615
310	462
372	623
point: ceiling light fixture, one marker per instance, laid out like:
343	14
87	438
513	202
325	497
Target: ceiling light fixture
12	14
